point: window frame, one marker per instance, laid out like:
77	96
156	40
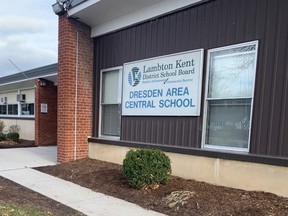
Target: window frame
5	105
19	112
119	101
27	104
13	104
207	99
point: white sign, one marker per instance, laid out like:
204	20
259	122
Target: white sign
163	86
44	108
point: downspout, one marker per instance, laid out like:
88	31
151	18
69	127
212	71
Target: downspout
76	99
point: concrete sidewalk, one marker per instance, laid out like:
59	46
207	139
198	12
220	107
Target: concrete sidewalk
15	165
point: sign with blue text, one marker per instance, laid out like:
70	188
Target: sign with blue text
163	86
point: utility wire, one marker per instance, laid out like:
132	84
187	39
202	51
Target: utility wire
21	72
19	69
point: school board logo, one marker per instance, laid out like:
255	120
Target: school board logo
134	76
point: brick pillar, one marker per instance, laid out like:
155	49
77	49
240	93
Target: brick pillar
45	123
67	70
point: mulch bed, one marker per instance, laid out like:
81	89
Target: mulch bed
21	144
13	193
204	199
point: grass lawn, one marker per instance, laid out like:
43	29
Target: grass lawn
7	209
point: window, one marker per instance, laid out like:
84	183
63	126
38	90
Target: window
229	96
110	108
12	109
27	108
3	109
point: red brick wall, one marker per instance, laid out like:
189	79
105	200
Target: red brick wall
46	124
68	29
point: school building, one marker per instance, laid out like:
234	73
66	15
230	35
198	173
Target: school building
204	80
29	99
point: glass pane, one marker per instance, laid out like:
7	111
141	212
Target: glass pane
231	73
27	109
3	109
31	108
110	120
228	123
12	109
110	82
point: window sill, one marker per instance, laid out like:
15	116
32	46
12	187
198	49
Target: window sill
223	148
109	138
17	117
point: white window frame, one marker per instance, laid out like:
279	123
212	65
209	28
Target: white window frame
119	100
26	102
19	104
225	148
13	104
19	114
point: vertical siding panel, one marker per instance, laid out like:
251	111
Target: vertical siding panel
187	40
142	30
130	128
154	39
214	24
189	137
250	20
200	26
222	31
179	33
172	37
276	84
206	22
241	20
160	36
185	133
133	51
159	131
166	28
280	87
170	134
127	51
148	38
138	43
148	131
133	129
165	135
193	19
122	51
114	46
231	26
269	77
142	132
175	132
198	134
154	122
124	128
284	123
262	6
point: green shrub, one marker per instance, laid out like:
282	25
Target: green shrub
13	136
2	137
146	168
2	126
14	129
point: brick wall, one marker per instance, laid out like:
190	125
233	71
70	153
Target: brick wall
45	124
67	50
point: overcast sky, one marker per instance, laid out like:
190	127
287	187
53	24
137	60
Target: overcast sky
28	35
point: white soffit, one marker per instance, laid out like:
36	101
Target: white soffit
105	16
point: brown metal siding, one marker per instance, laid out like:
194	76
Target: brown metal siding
213	24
